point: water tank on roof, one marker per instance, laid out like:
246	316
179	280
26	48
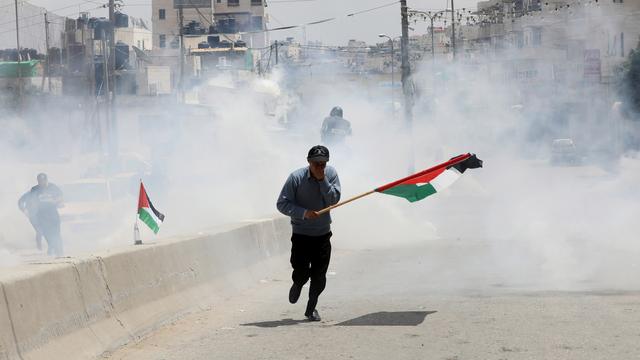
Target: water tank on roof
76	57
122	55
92	22
102	27
121	20
192	27
240	43
203	45
213	40
70	25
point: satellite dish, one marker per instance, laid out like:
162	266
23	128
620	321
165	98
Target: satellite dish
140	54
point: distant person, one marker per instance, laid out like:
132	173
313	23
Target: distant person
40	204
306	191
28	204
335	128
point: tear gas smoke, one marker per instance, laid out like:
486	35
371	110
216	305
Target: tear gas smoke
551	227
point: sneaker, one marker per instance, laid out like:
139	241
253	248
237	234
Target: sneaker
314	316
294	293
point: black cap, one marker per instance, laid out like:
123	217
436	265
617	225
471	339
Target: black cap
318	153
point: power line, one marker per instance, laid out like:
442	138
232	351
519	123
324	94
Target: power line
289	1
42	22
317	22
373	9
62	8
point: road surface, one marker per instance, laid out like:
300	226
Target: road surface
428	301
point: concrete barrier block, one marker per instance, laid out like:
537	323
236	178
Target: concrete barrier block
81	308
45	303
8	348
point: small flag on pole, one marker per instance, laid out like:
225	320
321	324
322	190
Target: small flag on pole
425	183
147	212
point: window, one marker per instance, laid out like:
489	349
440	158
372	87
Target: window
519	39
233	2
618	1
163	41
536	37
175	43
162	14
256	23
227	26
256	2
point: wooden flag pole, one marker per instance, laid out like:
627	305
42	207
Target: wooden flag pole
326	210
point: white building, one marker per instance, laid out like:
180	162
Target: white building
237	19
579	40
137	34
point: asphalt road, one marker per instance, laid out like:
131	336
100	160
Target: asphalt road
450	300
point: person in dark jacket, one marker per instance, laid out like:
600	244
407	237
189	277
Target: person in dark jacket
306	191
40	204
335	128
28	204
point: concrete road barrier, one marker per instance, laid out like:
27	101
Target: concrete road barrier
80	308
8	348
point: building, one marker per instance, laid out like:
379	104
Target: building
218	35
238	19
137	34
561	41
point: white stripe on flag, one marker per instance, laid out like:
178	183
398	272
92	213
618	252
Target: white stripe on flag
445	179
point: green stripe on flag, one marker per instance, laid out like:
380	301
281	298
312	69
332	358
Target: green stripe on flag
411	192
148	219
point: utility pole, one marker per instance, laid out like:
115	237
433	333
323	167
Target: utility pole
181	33
453	30
111	92
19	57
407	89
104	88
276	52
47	69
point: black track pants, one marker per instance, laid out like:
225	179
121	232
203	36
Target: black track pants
310	256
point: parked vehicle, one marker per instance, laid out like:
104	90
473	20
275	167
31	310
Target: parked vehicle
95	207
564	153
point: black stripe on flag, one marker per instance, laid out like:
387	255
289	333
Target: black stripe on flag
158	214
470	163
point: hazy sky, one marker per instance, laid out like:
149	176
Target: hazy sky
365	26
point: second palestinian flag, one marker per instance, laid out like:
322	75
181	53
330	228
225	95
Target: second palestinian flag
147	212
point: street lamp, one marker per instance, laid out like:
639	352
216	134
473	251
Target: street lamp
393	81
392	58
432	17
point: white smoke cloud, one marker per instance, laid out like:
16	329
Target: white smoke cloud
552	227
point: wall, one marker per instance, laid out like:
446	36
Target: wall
80	308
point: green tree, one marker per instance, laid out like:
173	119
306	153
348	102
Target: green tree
629	80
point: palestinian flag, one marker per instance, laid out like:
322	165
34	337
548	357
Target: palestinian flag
147	212
428	182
